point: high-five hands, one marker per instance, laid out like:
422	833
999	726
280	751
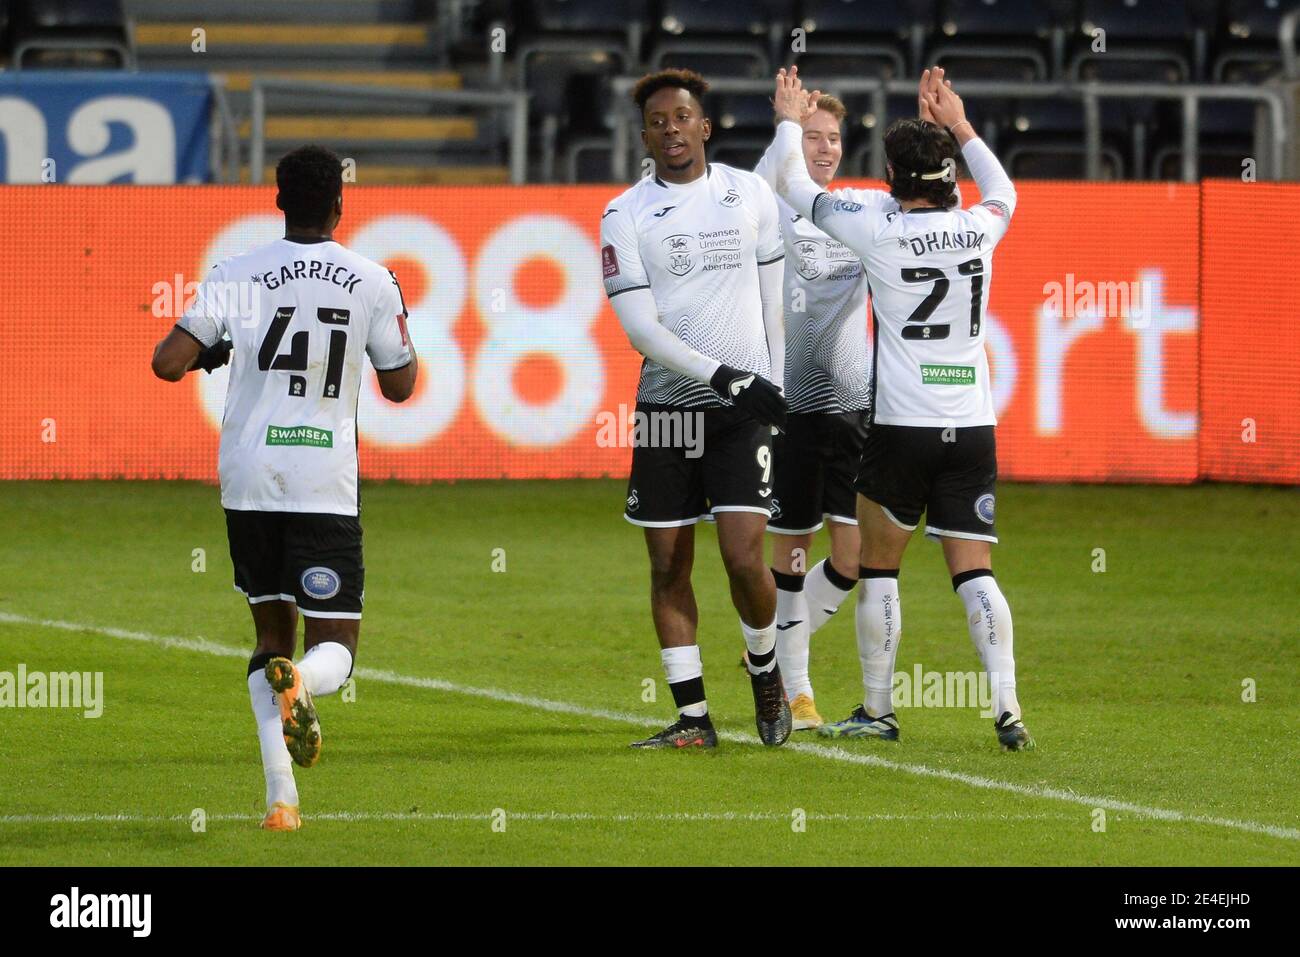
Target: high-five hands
945	106
931	80
791	101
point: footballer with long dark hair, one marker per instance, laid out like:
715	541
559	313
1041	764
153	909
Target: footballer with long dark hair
930	448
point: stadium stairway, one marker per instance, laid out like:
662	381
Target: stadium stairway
391	44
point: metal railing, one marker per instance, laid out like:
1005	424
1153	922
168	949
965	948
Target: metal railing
515	102
224	156
1089	94
1286	34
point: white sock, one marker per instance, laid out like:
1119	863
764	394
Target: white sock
989	618
792	634
825	590
276	763
761	645
685	673
325	667
880	627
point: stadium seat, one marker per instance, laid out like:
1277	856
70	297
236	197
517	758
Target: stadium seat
741	111
587	159
570	99
741	151
616	26
71	33
688	17
1046	139
1247	50
1064	161
720	37
873	26
1144	40
827	61
1001	39
570	51
734	58
1226	136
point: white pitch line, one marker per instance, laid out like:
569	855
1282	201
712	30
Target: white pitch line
816	750
678	817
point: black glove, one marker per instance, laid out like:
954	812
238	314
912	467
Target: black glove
214	357
752	393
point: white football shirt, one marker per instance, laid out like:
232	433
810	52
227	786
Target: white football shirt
288	434
928	274
697	248
827	353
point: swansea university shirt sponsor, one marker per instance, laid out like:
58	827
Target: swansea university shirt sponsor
827	353
288	435
697	248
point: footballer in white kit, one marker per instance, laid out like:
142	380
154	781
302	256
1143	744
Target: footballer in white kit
827	383
930	449
288	455
691	259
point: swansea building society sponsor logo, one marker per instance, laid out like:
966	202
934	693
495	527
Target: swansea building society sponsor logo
75	909
299	435
78	690
947	375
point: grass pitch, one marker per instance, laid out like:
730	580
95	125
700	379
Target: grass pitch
493	708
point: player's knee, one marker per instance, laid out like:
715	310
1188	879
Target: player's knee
342	631
669	573
743	564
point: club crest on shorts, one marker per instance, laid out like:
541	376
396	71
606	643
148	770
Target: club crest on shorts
321	583
984	509
775	508
633	503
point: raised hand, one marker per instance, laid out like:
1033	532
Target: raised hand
923	108
945	106
791	101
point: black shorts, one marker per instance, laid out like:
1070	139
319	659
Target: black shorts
816	460
304	557
689	464
908	470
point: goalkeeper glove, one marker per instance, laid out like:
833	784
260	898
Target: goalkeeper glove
214	356
752	393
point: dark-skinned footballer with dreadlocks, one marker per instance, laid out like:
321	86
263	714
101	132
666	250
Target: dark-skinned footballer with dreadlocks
295	319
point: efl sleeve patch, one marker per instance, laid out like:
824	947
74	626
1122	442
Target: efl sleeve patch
609	261
401	325
996	208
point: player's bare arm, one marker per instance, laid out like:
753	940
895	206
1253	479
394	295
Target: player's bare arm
398	385
179	352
